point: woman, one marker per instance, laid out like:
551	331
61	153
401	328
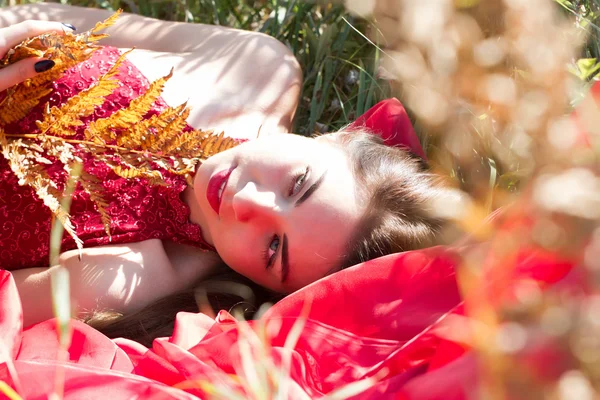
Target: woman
282	210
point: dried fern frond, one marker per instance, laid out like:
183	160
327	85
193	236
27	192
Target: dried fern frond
143	135
27	165
110	21
52	45
93	187
127	117
20	103
207	142
61	120
132	145
131	172
173	128
65	50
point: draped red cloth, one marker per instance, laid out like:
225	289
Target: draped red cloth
379	319
387	320
389	120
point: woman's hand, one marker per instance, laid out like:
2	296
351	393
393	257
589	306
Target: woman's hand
29	67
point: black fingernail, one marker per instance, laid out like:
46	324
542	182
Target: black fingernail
70	26
44	65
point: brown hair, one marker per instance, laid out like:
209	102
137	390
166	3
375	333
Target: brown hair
398	192
225	290
396	188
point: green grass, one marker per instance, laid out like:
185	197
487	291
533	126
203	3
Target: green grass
339	65
586	14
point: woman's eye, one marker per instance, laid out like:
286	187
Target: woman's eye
299	182
271	252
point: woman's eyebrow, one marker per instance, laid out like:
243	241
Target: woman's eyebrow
311	190
285	262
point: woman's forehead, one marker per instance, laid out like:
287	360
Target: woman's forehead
292	143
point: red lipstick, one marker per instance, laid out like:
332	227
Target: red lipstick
216	188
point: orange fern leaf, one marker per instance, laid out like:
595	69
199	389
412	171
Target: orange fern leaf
131	172
110	21
93	187
20	160
148	131
212	144
60	120
133	114
20	103
65	51
170	132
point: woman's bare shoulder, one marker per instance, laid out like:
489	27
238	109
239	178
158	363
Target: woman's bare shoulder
122	278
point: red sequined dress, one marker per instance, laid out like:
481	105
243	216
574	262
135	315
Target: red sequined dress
138	210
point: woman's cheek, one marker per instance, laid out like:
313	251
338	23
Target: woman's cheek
232	251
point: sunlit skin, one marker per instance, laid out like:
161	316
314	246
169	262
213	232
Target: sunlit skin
287	212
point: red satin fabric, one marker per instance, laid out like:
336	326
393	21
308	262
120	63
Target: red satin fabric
378	319
389	120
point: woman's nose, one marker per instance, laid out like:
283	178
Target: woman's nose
250	203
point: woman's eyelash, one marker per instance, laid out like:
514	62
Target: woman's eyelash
270	253
270	258
298	182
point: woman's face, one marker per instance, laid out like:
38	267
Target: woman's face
279	210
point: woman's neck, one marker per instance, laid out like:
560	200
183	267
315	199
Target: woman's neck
190	263
196	215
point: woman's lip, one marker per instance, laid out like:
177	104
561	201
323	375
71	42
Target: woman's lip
214	186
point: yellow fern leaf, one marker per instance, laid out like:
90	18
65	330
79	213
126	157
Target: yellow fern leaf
188	170
61	120
203	144
65	51
170	132
62	63
85	102
139	135
94	38
144	134
31	47
208	144
38	179
23	100
132	114
221	143
193	139
133	172
107	22
92	186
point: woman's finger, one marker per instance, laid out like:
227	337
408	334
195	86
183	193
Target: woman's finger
24	69
15	34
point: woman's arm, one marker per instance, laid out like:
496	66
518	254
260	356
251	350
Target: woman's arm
130	30
123	278
235	81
